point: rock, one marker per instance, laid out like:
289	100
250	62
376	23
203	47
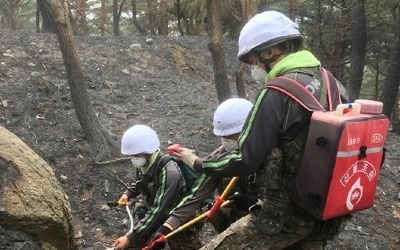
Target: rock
135	46
125	71
63	177
35	74
149	41
31	199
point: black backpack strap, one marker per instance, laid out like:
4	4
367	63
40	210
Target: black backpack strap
164	160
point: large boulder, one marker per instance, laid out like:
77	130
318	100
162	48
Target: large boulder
31	199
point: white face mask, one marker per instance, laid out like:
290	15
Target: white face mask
258	74
229	144
138	162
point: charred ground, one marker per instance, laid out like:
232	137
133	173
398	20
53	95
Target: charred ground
166	84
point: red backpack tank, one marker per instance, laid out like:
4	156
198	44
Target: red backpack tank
343	154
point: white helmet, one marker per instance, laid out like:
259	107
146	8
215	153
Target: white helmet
230	116
139	139
267	29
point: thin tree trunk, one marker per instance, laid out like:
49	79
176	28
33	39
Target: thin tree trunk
390	87
82	21
179	16
73	19
340	43
102	17
239	80
135	22
48	26
162	20
98	138
292	9
358	49
152	16
217	50
37	14
115	18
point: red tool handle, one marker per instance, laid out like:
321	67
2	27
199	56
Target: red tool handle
151	244
217	203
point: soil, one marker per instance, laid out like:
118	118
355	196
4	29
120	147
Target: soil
163	82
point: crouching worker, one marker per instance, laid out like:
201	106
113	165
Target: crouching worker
160	182
228	121
272	42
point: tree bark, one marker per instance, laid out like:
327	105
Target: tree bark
102	17
48	26
179	16
239	80
390	87
152	16
217	51
115	18
340	43
162	20
358	49
9	14
82	21
135	22
98	138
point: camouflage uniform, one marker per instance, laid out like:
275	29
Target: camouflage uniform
225	217
246	232
271	146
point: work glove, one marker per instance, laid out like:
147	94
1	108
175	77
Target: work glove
186	156
158	241
243	201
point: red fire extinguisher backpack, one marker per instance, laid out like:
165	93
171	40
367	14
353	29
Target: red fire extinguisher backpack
343	153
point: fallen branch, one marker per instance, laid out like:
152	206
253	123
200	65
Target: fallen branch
112	161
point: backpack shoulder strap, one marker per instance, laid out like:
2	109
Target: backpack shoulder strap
329	93
165	159
160	165
332	90
297	91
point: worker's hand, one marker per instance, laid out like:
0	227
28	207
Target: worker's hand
123	200
158	240
121	243
243	201
186	156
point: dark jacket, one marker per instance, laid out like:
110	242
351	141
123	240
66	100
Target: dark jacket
201	193
276	121
163	187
